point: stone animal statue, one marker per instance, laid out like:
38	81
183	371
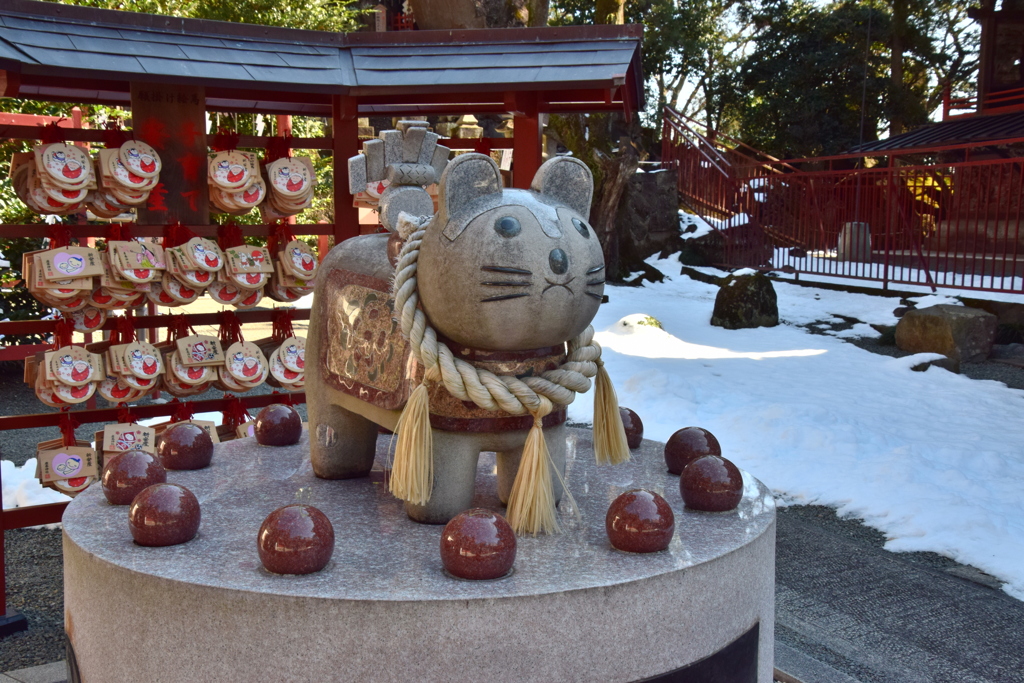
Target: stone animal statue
475	322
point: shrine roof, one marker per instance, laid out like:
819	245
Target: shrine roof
60	51
968	129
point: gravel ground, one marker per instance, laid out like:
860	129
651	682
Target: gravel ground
35	564
35	588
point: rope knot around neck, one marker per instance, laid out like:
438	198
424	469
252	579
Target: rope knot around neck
412	473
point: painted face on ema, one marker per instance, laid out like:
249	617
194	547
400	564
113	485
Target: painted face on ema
72	265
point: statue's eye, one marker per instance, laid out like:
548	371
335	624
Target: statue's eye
507	226
581	227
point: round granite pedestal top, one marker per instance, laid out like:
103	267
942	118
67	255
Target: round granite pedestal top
380	554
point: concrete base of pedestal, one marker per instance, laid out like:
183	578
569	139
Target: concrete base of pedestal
574	609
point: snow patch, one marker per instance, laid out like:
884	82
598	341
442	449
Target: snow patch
932	459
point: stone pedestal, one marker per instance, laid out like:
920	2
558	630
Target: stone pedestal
573	609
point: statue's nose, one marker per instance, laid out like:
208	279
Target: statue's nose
559	261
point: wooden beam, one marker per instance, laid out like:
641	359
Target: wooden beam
33	515
26	127
141	412
260	315
345	133
10	83
40	230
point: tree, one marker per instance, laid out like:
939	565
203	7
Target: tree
803	79
316	15
678	38
819	79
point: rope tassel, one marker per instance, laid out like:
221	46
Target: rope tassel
531	505
610	445
412	473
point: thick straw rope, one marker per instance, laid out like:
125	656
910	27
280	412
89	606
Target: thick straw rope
464	380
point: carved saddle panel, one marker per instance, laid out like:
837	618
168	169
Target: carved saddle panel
366	356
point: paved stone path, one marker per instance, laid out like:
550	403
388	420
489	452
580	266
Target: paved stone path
846	610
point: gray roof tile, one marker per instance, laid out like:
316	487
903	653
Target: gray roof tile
225	55
73	59
291	75
156	66
114	46
496	48
42	39
122	46
166	37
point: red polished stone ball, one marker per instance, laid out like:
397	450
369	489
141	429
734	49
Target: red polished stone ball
164	514
634	427
126	474
478	544
278	425
687	445
295	539
712	484
640	521
185	447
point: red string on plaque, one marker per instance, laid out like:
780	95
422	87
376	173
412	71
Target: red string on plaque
67	427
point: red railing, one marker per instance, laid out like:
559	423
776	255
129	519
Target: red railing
950	219
994	102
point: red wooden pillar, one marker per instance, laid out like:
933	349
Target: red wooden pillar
284	129
345	130
527	136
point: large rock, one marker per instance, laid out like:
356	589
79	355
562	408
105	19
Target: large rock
746	301
706	250
648	216
961	333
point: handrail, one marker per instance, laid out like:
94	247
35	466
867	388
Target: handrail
754	160
701	148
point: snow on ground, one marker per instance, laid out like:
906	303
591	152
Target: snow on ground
932	459
22	489
692	226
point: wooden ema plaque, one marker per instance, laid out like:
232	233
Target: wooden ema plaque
172	119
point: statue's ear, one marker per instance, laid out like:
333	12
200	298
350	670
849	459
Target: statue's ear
467	177
567	180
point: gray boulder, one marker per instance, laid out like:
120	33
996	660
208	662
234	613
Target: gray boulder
746	301
961	333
